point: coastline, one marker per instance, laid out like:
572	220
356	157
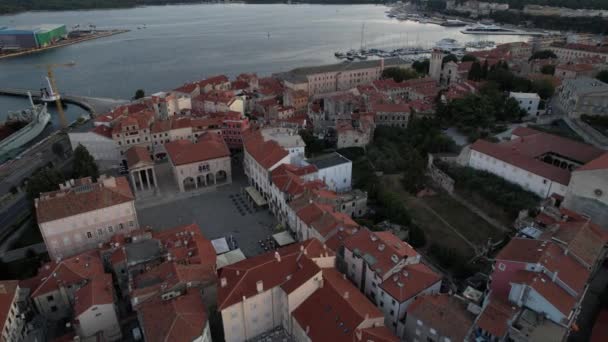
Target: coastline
100	34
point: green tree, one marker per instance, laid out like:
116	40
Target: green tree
602	76
399	74
139	93
46	179
469	58
484	69
422	67
544	88
548	69
57	149
84	164
476	72
543	54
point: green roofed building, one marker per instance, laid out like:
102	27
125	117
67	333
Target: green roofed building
31	37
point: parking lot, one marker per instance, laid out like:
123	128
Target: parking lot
220	213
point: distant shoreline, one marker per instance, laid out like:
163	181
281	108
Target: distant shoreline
197	2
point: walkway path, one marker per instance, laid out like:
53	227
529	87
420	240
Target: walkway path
94	105
588	133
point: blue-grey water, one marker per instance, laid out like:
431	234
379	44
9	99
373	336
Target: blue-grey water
188	42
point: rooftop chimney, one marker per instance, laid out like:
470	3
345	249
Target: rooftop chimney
2	289
346	296
223	282
260	286
277	256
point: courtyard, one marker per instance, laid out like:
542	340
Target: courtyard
220	212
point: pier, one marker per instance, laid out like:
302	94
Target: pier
94	105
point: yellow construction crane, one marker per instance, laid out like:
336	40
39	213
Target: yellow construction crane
52	94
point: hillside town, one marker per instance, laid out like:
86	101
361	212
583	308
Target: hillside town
373	200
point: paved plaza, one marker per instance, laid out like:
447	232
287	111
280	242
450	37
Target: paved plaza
221	212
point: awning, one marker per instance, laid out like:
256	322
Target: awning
283	238
256	196
220	245
230	258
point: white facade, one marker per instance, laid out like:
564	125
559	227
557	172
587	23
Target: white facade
99	318
537	184
12	329
258	175
75	234
527	101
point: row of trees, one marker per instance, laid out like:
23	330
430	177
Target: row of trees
501	77
48	178
506	195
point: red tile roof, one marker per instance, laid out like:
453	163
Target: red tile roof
599	163
98	291
333	312
379	247
446	314
242	277
522	131
9	289
187	88
266	153
600	327
552	257
138	154
391	107
186	244
85	196
209	146
535	145
576	67
53	275
552	292
324	219
180	319
585	240
103	130
495	317
214	80
410	281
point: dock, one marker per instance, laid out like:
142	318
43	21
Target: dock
93	105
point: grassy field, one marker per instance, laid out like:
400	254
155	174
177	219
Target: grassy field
445	221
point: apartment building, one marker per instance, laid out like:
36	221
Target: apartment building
336	77
438	317
583	95
572	52
82	214
13	306
260	293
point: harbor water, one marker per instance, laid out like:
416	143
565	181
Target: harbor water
170	45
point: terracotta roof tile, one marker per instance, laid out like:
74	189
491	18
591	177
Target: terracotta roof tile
377	334
87	196
333	312
266	153
242	277
180	319
495	316
410	281
138	154
444	313
378	248
209	146
599	163
98	291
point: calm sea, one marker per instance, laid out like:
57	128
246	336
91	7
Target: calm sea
182	43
